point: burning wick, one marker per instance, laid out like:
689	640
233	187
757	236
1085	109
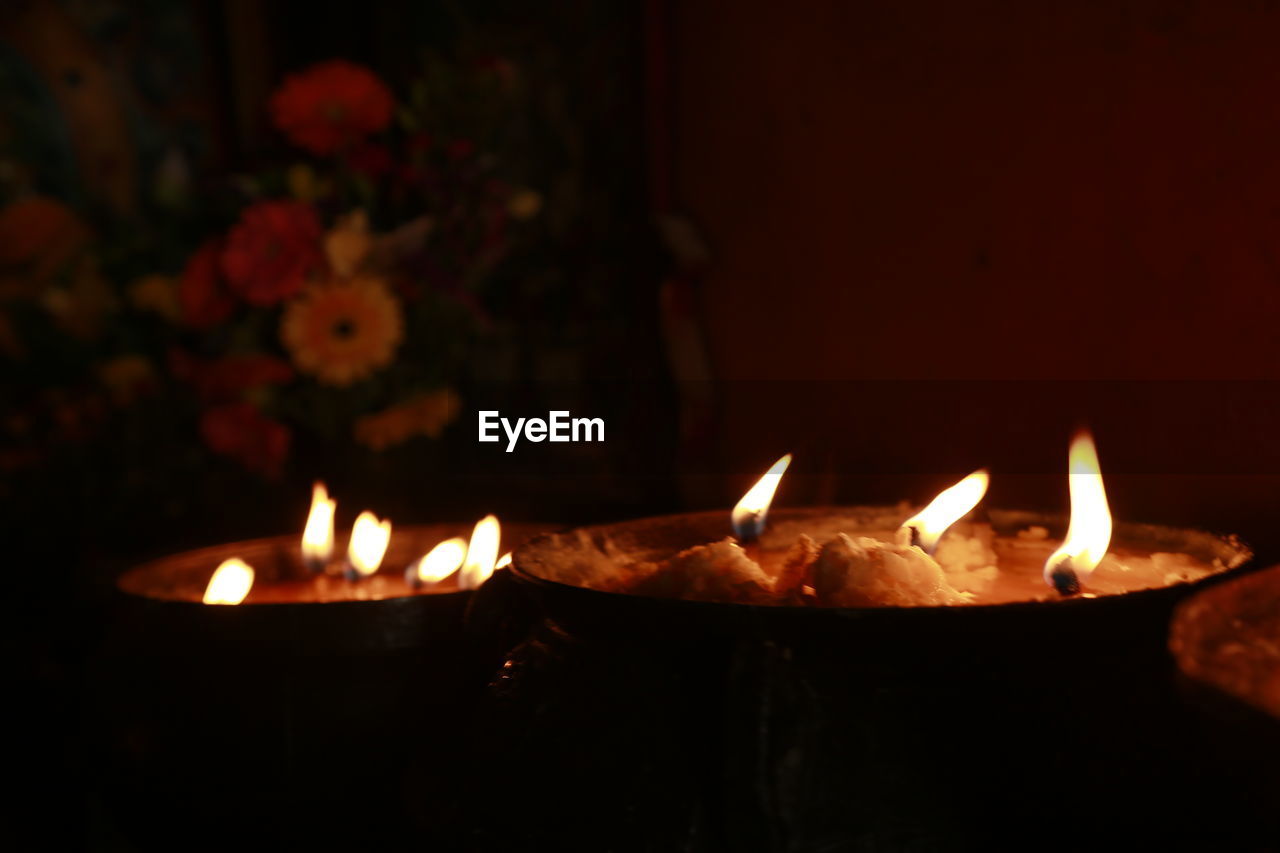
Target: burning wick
1064	578
369	539
440	562
924	529
482	553
317	536
751	512
230	583
1089	532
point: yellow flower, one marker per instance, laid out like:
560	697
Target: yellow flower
125	376
156	293
427	414
343	331
347	243
524	204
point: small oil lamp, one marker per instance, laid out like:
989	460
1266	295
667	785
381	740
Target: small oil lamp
877	672
873	557
1227	639
1225	642
245	683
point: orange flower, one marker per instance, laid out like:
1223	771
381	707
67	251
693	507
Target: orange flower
343	331
331	106
427	414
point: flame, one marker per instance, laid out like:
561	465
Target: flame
369	538
482	553
441	561
946	509
230	583
317	536
750	513
503	561
1089	532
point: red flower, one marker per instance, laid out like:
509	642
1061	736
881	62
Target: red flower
330	106
240	431
231	377
202	293
271	251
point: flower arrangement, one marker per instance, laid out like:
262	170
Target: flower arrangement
340	295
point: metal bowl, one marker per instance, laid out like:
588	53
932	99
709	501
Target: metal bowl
289	721
939	728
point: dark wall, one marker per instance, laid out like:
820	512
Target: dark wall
985	190
990	191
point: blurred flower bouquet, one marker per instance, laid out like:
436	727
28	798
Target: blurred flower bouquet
338	300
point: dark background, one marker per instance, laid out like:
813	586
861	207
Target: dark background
901	239
993	191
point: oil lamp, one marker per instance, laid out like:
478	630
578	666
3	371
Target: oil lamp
1225	642
1227	639
246	685
925	680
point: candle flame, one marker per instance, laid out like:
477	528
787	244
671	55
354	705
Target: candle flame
482	553
230	583
503	561
317	536
441	561
369	538
951	505
1089	532
749	515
